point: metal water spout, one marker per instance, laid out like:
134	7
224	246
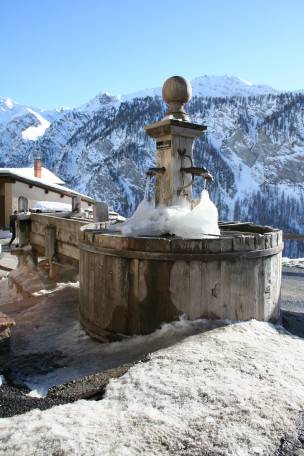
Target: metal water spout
194	170
154	171
198	171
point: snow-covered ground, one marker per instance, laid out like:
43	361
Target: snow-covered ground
234	390
208	388
48	332
293	262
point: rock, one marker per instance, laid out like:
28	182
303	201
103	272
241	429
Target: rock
5	322
5	333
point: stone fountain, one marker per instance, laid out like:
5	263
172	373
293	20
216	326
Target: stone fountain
131	284
174	136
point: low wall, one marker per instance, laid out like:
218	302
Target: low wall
53	236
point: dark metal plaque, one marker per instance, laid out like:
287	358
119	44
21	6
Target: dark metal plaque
163	144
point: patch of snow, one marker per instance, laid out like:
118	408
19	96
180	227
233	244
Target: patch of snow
51	206
293	262
212	86
99	102
154	92
249	83
10	110
37	393
227	86
2	380
35	132
235	390
181	220
60	286
9	103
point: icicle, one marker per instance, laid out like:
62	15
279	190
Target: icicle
147	188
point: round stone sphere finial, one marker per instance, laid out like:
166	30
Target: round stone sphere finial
176	92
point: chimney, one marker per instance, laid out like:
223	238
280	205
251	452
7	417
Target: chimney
37	167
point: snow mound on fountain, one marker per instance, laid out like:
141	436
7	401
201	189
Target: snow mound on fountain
181	220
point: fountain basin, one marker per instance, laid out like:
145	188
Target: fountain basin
131	285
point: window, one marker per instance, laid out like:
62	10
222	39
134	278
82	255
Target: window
22	204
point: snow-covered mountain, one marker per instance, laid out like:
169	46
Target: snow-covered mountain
9	110
227	86
254	147
212	86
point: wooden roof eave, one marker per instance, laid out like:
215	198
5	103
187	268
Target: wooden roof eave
13	178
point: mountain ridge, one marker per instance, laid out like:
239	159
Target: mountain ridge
214	86
205	85
254	146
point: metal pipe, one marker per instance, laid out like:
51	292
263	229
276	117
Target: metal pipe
154	171
198	171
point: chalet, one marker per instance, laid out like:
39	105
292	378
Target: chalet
21	188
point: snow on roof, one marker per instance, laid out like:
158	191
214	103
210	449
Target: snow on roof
28	173
48	180
233	390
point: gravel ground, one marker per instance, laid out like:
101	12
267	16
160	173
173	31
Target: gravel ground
15	400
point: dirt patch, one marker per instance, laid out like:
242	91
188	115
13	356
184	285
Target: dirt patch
15	399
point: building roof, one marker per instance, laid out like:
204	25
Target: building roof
45	182
29	173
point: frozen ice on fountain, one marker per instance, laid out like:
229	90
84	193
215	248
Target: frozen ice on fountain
180	220
171	211
200	221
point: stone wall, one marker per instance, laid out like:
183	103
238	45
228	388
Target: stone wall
54	236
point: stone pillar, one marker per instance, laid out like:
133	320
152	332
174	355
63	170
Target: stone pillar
174	136
174	144
100	212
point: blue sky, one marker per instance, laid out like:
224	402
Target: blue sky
64	52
